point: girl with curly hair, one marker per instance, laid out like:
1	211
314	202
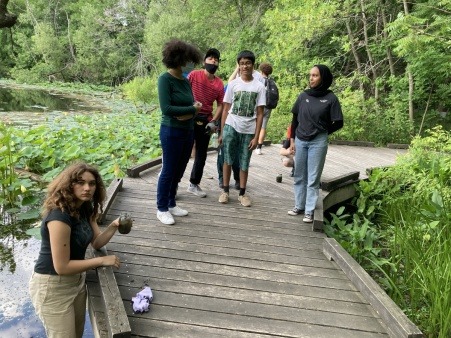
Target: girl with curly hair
69	224
178	109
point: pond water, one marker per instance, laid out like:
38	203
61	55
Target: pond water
17	316
29	107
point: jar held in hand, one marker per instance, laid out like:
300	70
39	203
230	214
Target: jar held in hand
125	223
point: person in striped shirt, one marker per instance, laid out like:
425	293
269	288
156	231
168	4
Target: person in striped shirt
207	89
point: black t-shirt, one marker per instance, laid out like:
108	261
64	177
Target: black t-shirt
314	115
80	236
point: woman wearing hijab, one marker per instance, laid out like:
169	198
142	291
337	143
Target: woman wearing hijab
316	114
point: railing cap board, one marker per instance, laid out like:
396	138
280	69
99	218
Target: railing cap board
397	146
353	143
336	182
117	321
137	169
392	316
116	318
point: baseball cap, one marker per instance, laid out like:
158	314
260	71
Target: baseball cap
212	52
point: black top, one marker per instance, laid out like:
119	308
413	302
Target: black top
315	115
80	237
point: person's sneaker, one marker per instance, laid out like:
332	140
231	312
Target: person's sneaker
224	197
165	217
295	212
177	211
258	151
245	200
237	185
308	218
196	190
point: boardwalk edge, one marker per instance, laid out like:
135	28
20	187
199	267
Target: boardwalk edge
392	316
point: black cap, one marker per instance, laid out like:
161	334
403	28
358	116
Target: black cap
212	52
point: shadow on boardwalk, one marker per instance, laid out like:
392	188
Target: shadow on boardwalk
231	271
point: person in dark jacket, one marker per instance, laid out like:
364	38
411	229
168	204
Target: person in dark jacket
316	114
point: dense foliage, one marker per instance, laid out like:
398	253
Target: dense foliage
400	230
391	59
43	151
392	67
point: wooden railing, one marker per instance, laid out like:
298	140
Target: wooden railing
115	317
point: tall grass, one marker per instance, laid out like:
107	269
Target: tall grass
408	207
421	249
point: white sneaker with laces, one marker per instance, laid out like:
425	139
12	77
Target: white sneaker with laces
165	217
177	211
196	190
295	211
308	218
258	151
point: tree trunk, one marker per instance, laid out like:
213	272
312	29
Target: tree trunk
409	73
391	64
7	20
354	51
367	48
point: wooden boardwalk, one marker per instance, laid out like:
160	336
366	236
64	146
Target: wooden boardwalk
232	271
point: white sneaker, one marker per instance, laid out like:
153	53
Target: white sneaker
258	151
196	190
177	211
308	218
295	212
165	217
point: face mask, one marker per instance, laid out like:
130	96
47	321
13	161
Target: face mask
211	68
188	68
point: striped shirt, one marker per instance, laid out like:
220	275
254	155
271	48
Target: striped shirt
206	91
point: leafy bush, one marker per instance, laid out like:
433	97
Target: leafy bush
142	89
112	142
409	205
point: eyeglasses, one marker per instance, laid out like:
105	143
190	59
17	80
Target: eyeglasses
244	64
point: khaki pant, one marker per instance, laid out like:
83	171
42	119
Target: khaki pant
60	302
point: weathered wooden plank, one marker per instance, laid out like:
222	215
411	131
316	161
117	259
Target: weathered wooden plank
137	169
239	289
116	318
95	305
392	315
161	328
250	287
335	182
257	267
220	255
244	323
268	310
353	143
397	146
